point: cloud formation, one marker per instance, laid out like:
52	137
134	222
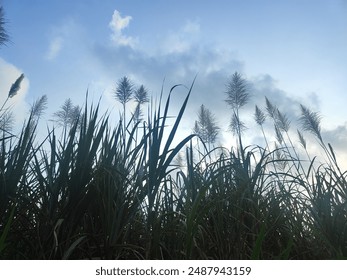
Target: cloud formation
182	40
66	37
336	136
117	25
54	48
179	57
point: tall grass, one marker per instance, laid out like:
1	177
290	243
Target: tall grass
103	192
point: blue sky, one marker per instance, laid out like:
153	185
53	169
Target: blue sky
291	51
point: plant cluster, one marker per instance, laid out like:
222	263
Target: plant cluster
94	191
103	192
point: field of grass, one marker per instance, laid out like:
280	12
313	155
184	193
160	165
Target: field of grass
98	191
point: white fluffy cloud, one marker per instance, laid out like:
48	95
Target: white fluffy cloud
117	24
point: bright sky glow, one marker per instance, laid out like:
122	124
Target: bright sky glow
291	51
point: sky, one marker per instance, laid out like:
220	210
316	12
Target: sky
293	52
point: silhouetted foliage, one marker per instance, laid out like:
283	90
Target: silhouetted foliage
237	96
124	90
68	114
95	196
15	86
140	97
3	34
206	126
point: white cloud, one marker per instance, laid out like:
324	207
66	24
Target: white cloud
180	56
55	47
183	40
117	24
65	36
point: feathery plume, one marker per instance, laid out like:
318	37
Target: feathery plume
282	121
39	106
238	94
302	140
279	135
310	121
141	95
259	116
270	108
3	34
15	86
124	90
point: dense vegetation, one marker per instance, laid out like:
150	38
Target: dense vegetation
92	190
97	192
